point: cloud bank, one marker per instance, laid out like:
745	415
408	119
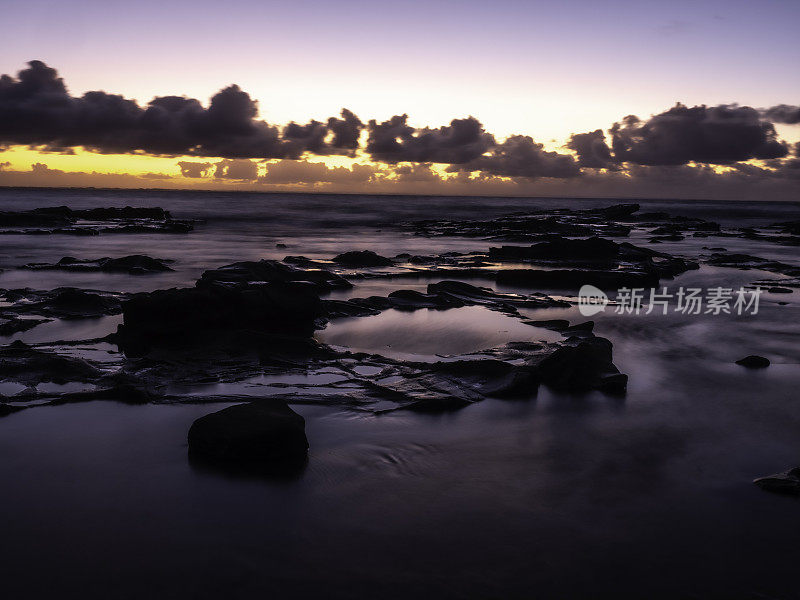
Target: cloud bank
698	144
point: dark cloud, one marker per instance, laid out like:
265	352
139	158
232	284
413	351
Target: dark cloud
4	164
304	172
716	135
36	109
395	141
194	169
591	149
520	156
783	113
346	130
243	170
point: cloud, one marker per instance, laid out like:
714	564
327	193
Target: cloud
591	148
395	141
4	165
194	169
243	170
520	156
36	109
717	135
302	172
782	113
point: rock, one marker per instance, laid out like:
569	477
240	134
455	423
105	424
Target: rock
593	248
64	220
28	366
14	325
7	409
787	482
779	290
267	432
554	324
363	258
753	362
581	365
61	303
573	279
179	316
136	264
246	273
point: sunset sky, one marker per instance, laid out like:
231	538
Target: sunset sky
531	74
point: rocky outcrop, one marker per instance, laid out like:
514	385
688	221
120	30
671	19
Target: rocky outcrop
28	366
582	364
61	303
92	221
362	258
135	264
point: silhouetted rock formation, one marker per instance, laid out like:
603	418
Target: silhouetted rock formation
362	258
92	221
135	264
753	362
260	432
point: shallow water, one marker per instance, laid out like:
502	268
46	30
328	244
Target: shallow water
558	497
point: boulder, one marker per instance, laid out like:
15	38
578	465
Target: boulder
259	432
362	258
753	362
582	364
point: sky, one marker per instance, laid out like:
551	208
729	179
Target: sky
546	70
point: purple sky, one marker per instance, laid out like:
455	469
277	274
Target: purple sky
545	69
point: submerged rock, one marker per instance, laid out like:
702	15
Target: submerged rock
362	258
787	482
259	432
753	362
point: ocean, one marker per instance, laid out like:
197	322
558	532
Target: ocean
561	495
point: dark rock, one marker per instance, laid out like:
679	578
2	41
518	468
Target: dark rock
593	248
14	325
7	409
28	366
64	220
753	362
242	274
555	324
573	279
787	482
181	315
582	365
62	303
362	258
258	432
135	264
